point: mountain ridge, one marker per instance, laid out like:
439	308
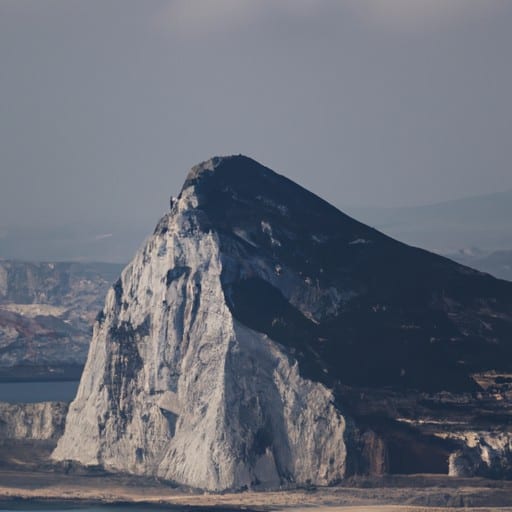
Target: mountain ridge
446	227
232	349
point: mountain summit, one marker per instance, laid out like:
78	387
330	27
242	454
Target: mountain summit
258	338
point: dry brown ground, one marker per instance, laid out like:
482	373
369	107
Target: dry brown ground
401	498
26	474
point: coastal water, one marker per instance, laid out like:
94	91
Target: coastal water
22	392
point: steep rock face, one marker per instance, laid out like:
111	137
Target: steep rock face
223	353
39	421
487	454
175	386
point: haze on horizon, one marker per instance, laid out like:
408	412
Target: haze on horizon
105	104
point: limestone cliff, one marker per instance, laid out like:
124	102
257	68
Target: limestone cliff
32	422
223	353
175	386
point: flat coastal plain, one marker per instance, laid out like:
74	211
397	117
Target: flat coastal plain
417	493
28	477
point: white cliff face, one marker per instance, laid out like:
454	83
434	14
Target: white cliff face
176	387
34	421
225	349
487	454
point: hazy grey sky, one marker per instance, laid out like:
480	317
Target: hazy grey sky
105	104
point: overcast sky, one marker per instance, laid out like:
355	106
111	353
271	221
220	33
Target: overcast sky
105	104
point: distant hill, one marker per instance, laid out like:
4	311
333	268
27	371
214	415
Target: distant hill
483	221
107	243
46	315
498	263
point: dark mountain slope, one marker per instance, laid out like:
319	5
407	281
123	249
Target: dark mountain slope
406	313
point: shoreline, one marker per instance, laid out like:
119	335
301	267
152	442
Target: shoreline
74	492
28	478
31	503
40	373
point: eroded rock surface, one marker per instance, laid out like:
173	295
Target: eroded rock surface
32	422
234	348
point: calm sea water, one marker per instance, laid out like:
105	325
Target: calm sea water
17	392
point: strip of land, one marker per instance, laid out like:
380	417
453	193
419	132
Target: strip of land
416	494
28	474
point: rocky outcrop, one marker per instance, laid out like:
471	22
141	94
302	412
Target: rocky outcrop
224	352
32	422
175	386
487	454
47	310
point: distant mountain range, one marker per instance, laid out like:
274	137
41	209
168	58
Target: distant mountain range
469	230
110	243
46	316
476	231
482	221
498	263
